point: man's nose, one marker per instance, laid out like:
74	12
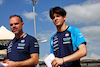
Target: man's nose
55	19
14	26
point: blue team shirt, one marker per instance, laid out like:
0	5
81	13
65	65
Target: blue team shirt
66	43
20	49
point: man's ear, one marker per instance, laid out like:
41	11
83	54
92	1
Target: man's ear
64	17
22	24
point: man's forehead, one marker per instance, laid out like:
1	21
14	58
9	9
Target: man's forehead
14	19
55	14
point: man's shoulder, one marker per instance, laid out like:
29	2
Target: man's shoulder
12	40
53	35
72	29
29	37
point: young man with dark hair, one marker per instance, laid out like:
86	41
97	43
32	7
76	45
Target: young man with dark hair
67	44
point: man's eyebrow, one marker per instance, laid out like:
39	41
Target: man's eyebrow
11	24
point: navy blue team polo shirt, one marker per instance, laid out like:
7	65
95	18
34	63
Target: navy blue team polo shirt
66	43
20	49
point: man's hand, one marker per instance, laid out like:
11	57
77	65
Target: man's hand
11	64
1	61
57	61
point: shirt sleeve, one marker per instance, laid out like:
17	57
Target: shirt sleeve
51	45
34	46
77	38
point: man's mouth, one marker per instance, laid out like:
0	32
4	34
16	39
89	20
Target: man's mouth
56	22
14	29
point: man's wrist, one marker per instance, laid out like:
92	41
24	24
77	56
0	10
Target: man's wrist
17	64
63	60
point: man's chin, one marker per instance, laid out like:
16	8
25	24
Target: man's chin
15	33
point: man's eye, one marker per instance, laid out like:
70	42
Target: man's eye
11	24
16	23
53	17
58	15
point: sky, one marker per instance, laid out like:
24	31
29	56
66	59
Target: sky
83	14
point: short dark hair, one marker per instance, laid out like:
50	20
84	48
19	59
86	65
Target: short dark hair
16	16
57	10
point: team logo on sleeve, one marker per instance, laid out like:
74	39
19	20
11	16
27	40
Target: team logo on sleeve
80	35
36	44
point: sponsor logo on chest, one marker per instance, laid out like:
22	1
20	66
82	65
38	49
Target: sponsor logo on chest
67	39
21	45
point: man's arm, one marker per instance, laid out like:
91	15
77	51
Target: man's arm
75	56
29	62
